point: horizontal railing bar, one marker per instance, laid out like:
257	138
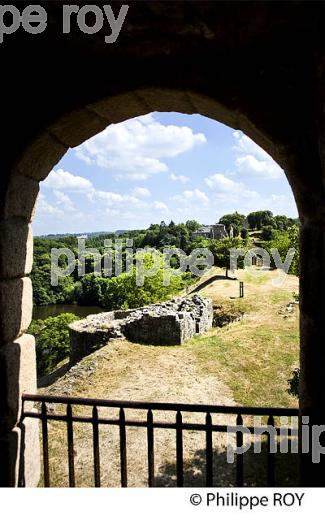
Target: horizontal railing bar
165	425
183	407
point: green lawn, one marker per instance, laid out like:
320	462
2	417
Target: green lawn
254	357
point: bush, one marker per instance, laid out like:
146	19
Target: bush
52	341
283	242
267	233
244	233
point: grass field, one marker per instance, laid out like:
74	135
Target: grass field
254	357
247	363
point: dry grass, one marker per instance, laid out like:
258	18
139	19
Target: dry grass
247	362
254	357
134	372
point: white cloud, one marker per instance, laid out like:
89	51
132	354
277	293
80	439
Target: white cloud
253	159
63	180
141	193
44	208
192	196
180	178
267	169
245	145
109	197
160	205
64	200
134	148
218	181
227	191
111	212
146	119
281	204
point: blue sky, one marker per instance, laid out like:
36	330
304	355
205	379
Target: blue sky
161	166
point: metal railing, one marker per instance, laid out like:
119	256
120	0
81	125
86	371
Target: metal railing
151	425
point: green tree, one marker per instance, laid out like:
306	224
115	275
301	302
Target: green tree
235	220
90	290
52	341
221	251
282	222
244	233
283	242
192	225
124	291
267	233
258	219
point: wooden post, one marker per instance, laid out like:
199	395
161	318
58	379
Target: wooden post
241	289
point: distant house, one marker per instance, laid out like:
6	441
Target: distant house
216	231
202	232
84	237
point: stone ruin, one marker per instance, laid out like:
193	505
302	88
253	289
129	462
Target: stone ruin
168	323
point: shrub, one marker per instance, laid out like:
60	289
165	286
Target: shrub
244	233
52	341
267	233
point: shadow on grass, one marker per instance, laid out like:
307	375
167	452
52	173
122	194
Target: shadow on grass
209	281
224	473
49	379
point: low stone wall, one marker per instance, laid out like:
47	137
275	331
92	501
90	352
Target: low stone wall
168	323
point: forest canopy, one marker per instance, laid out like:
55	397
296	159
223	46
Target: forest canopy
262	230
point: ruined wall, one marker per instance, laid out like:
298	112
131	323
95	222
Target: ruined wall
168	323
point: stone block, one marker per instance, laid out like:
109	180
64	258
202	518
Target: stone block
17	375
166	99
121	107
16	248
205	106
20	197
16	307
40	157
77	127
20	455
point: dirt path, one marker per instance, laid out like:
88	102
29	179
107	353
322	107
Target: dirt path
127	371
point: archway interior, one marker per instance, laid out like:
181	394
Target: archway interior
150	179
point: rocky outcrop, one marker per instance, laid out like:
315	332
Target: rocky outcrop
168	323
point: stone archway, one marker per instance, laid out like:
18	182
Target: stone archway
174	75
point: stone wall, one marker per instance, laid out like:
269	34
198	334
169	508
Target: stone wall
168	323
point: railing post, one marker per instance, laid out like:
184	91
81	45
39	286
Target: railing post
151	451
179	449
72	482
123	458
209	450
45	445
96	447
239	456
270	456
